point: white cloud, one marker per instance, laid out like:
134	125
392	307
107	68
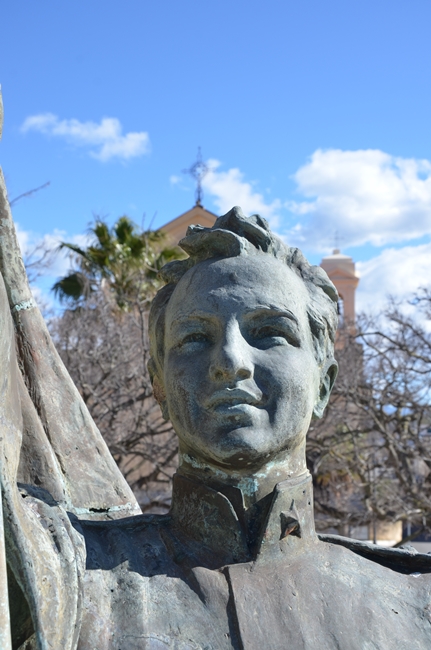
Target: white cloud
24	237
229	189
57	264
33	244
367	196
106	136
397	272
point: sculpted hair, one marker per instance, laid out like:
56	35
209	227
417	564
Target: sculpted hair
233	235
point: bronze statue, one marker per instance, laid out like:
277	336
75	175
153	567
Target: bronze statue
242	340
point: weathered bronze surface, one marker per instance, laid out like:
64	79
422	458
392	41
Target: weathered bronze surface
242	359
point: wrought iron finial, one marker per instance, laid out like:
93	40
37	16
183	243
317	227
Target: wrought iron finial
198	171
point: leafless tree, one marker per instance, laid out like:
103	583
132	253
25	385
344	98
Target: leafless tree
371	454
106	352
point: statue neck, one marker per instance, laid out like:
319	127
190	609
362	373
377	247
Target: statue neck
254	484
282	521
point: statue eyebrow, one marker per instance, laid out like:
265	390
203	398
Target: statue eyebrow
273	311
180	321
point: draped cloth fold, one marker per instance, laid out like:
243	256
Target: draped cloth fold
44	553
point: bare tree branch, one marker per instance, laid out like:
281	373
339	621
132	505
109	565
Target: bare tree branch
29	193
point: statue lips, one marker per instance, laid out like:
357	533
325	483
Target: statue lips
229	400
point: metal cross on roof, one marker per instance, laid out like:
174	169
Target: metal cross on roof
198	171
337	239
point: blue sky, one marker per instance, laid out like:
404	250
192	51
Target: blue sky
315	114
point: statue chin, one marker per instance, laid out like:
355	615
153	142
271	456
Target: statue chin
244	449
237	451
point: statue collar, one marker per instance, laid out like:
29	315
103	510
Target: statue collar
283	520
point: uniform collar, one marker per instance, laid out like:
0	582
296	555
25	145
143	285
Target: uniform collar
217	520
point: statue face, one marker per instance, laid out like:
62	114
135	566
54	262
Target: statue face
240	375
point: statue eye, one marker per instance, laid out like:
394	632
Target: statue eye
271	335
269	330
195	337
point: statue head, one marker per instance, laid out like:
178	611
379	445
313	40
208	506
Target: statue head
242	343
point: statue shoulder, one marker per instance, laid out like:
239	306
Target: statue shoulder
403	560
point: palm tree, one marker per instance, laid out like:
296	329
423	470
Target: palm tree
122	262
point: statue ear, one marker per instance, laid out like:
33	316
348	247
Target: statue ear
158	389
329	374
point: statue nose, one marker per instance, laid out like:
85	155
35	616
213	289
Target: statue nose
231	359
